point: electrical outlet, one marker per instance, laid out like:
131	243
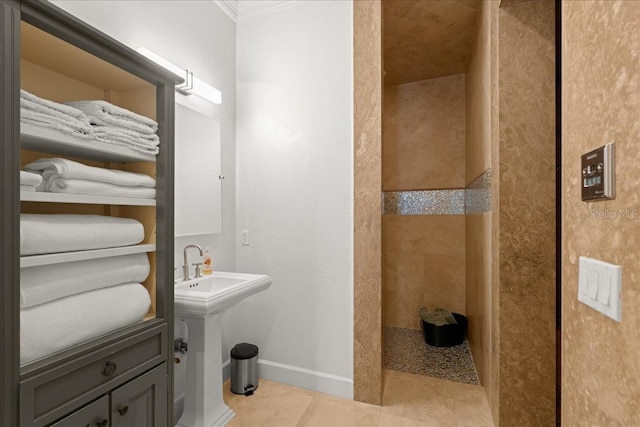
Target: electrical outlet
245	237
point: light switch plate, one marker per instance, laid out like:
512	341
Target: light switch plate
600	286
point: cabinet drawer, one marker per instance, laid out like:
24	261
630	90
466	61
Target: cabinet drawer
58	391
95	414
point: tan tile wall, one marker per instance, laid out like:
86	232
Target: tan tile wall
601	104
527	213
423	264
367	64
423	148
423	135
478	237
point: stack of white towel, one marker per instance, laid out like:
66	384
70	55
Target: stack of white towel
66	176
116	125
62	305
29	181
92	120
49	114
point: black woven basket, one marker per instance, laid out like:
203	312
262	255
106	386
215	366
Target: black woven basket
446	335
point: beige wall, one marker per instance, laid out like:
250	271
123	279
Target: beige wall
480	107
423	148
601	104
527	213
423	135
367	64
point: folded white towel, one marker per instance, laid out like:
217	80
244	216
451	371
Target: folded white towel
127	135
93	188
27	188
30	179
64	168
104	113
46	283
69	127
112	134
51	108
140	148
48	328
52	233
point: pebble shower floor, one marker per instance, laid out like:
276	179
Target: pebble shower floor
406	351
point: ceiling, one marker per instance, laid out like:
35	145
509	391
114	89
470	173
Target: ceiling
425	39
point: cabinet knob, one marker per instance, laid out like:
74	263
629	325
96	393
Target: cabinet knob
102	422
123	410
109	369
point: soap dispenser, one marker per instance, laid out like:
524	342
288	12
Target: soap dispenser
206	269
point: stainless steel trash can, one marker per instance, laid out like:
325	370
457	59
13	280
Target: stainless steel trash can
244	368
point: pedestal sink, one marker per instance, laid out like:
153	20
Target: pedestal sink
201	302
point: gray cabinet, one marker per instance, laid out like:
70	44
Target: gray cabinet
138	403
141	402
95	414
42	46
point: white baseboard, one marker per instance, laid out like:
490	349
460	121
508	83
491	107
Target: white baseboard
300	377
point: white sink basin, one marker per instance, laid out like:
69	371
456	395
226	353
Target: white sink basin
200	303
216	292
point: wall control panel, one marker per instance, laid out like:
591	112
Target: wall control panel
598	174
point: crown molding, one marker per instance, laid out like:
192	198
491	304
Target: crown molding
230	7
249	9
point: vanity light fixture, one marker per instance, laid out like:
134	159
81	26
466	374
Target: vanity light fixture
192	85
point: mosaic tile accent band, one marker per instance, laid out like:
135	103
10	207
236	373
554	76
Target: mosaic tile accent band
423	202
477	195
476	198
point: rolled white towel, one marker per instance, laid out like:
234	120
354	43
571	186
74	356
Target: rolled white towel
29	178
65	168
55	326
46	283
53	233
103	113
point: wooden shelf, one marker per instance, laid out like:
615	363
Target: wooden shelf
51	141
57	258
30	196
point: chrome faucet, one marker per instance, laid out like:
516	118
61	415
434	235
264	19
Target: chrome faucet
185	267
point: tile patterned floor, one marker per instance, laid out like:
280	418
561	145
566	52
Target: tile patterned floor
406	351
408	401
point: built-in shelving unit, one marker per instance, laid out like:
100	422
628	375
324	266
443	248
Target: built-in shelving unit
60	257
55	56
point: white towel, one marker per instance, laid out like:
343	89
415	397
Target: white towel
140	148
48	328
27	188
30	179
129	136
50	108
64	168
46	283
69	127
120	136
104	113
93	188
52	233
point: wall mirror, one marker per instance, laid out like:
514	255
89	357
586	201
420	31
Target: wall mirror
198	189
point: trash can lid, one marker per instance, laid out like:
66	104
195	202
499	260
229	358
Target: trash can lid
244	351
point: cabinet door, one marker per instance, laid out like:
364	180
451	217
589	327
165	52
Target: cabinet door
95	414
141	402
